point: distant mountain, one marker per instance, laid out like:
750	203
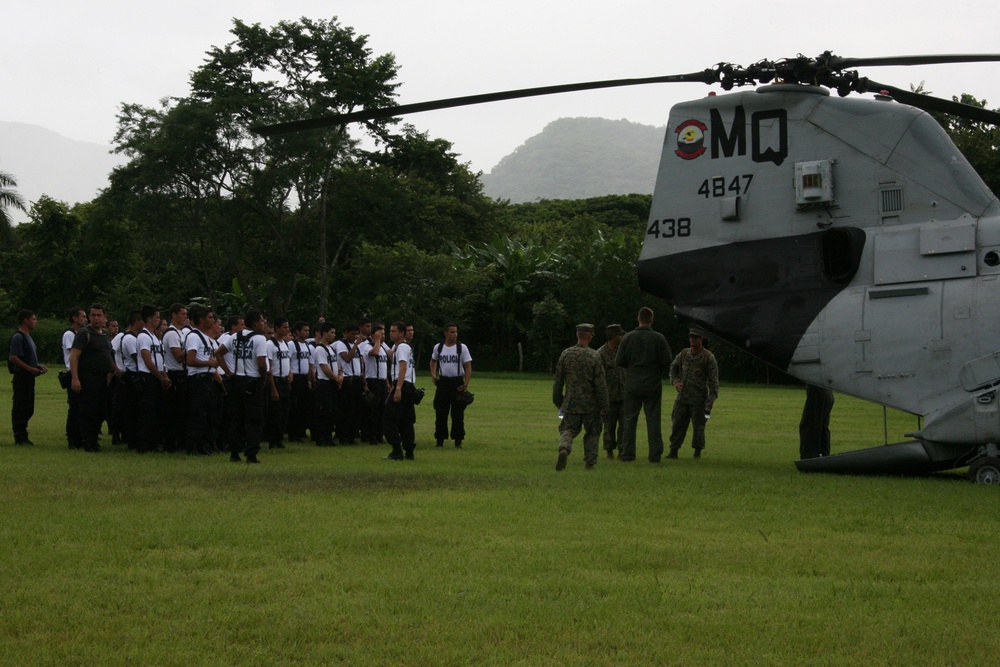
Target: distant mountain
43	162
572	158
576	158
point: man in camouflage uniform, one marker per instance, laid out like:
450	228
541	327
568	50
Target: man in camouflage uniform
614	376
586	399
695	374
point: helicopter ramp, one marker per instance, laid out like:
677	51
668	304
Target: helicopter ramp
903	458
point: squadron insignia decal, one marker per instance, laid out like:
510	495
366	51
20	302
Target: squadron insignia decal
690	139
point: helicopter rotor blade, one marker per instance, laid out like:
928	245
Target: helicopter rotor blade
838	63
934	104
705	76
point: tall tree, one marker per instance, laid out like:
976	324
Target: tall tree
242	199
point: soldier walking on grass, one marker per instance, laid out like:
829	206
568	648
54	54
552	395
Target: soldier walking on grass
695	375
645	356
586	398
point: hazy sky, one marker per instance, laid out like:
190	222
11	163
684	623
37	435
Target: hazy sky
67	64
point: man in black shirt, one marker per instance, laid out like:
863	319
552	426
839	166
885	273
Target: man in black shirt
91	365
645	356
23	363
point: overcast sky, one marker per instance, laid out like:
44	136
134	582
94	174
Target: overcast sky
67	65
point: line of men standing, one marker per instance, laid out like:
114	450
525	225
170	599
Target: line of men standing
608	388
185	384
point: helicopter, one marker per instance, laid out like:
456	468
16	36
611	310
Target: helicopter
842	239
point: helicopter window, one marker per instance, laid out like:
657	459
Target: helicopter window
839	262
813	183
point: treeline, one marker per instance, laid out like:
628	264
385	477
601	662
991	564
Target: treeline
515	296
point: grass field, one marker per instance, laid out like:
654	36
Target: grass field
486	555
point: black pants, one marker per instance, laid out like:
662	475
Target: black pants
348	410
248	415
300	407
398	420
73	419
444	401
22	404
175	412
92	403
126	404
372	410
277	413
326	411
218	394
148	398
199	438
226	415
114	418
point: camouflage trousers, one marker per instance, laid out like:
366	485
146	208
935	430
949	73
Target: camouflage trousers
614	426
571	425
684	414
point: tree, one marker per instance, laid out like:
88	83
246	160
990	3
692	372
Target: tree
232	197
979	142
9	198
414	189
48	260
517	274
403	282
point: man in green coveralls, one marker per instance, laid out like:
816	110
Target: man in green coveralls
586	399
695	375
645	356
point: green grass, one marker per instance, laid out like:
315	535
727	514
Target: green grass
486	555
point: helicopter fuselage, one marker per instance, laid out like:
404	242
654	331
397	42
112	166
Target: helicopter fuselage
845	241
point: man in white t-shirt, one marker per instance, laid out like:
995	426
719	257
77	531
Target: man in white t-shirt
153	380
375	354
200	363
77	321
279	385
174	399
328	381
234	324
300	406
399	416
115	384
127	401
349	399
249	370
451	370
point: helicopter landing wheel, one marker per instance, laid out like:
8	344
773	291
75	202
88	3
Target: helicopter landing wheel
985	471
